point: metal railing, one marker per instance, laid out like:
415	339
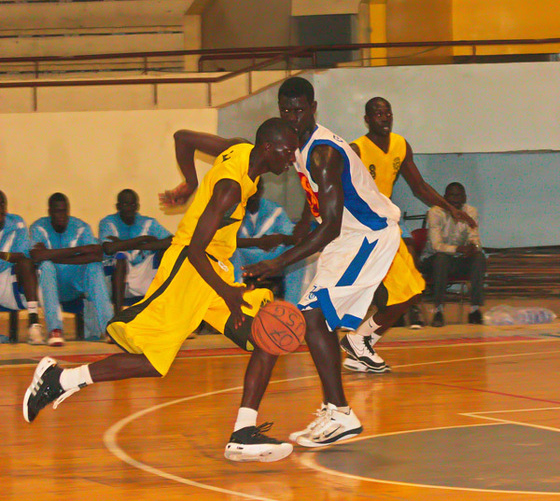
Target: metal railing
271	56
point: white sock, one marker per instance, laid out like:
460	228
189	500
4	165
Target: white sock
245	417
32	307
474	307
75	378
367	328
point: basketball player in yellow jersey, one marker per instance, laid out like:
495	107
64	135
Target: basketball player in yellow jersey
386	155
195	282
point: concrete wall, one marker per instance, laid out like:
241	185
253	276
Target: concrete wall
91	156
472	123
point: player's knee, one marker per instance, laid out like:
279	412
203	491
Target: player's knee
241	335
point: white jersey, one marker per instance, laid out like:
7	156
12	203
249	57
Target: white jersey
365	208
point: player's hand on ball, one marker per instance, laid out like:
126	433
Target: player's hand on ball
233	297
263	269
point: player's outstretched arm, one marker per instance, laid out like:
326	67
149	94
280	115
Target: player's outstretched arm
326	167
187	142
426	192
226	195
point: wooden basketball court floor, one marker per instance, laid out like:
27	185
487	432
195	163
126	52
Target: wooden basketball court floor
468	413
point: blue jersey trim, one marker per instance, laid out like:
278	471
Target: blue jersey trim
355	267
347	321
355	204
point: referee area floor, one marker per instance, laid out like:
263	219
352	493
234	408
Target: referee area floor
468	413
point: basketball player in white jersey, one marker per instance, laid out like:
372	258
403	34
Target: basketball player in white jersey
359	234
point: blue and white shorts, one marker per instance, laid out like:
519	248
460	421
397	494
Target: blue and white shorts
349	271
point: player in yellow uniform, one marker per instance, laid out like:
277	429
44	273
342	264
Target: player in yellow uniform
387	155
195	282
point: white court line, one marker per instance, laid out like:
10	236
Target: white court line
110	436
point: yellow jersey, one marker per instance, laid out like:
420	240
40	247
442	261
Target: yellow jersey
233	164
383	167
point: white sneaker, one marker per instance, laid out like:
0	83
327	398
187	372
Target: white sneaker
356	366
333	426
35	334
319	413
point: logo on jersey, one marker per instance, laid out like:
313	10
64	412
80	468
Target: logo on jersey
372	170
225	157
396	164
311	196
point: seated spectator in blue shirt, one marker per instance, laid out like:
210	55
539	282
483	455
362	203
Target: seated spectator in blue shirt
265	233
70	267
131	243
17	272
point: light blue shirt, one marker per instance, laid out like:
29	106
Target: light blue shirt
77	233
113	225
14	238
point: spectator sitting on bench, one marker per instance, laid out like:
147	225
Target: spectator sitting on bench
130	242
70	267
453	248
265	233
17	270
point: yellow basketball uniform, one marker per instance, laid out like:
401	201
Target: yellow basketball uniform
179	298
403	280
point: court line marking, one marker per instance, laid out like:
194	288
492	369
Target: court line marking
110	436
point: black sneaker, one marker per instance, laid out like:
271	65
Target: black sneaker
44	389
475	317
415	318
359	348
437	321
251	444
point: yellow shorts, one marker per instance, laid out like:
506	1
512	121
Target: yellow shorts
403	280
176	302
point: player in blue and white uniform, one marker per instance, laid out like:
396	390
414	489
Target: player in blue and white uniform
131	243
18	278
359	234
70	258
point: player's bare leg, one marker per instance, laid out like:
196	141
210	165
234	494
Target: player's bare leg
248	441
51	383
118	282
27	276
335	420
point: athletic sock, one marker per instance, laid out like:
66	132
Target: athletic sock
245	417
367	328
33	311
75	378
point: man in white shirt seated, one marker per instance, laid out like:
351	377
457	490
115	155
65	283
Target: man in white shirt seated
454	248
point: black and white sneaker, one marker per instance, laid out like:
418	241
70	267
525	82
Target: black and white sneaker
356	366
359	348
251	444
44	389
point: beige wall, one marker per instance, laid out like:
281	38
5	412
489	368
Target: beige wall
91	156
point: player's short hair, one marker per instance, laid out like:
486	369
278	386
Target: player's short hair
455	184
273	129
373	102
57	197
127	191
297	87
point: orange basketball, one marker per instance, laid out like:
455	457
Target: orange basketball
278	328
